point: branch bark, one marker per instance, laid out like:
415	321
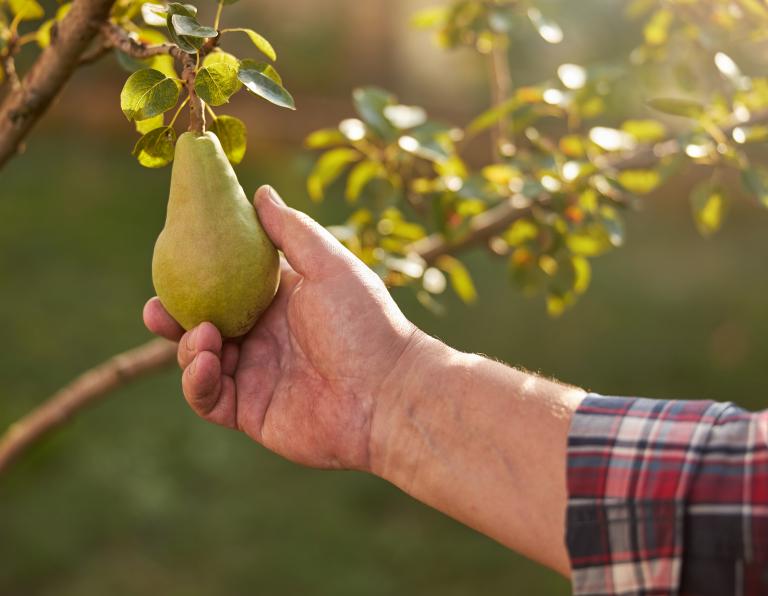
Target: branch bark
23	106
82	392
120	39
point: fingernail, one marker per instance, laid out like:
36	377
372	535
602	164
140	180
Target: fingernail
274	196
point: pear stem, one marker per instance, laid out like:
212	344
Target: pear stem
218	15
196	107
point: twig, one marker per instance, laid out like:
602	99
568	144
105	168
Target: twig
83	391
501	89
8	63
482	227
196	110
21	108
95	54
120	39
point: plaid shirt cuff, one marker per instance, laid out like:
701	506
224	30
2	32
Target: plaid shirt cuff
648	497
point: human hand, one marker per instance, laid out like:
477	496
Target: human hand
307	381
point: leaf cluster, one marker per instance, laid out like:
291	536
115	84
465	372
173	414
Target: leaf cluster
155	86
569	171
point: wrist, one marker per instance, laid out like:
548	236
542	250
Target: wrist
395	435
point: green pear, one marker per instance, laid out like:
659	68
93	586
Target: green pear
213	261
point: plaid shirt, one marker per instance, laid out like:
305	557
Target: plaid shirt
667	497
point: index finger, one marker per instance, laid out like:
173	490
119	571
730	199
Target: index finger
159	322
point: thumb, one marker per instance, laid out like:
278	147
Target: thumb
310	249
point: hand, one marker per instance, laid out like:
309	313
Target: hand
307	380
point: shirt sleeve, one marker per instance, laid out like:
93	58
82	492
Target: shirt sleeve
667	497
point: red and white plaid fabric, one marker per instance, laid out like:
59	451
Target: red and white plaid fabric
667	497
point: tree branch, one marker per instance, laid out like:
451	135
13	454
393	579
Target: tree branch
482	227
8	63
22	107
83	391
118	38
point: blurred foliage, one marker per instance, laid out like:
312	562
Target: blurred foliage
568	172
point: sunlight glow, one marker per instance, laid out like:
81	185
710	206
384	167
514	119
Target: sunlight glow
573	76
554	97
549	30
726	65
434	281
612	139
353	129
739	135
405	117
571	170
551	183
409	144
697	151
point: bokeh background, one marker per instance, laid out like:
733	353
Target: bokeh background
138	496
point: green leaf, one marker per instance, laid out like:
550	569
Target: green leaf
645	131
676	106
520	232
405	117
590	241
461	280
26	10
43	34
429	18
216	83
145	126
656	31
156	148
709	204
327	169
640	182
154	15
360	176
556	305
582	274
232	134
755	180
187	26
148	93
263	68
262	85
259	41
325	138
221	57
188	44
165	64
492	116
370	103
548	29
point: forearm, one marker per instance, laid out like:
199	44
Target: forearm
482	442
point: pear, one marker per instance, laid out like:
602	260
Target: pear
213	261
